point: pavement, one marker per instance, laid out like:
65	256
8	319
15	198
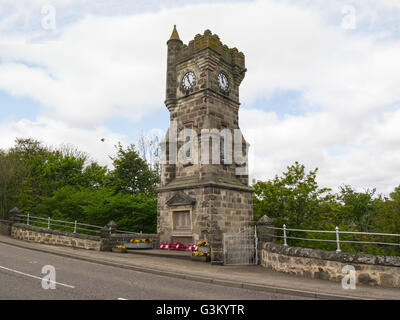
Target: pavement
179	265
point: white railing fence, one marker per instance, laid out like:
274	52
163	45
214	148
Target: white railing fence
75	226
338	239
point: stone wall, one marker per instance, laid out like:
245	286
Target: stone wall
54	237
5	227
327	265
113	240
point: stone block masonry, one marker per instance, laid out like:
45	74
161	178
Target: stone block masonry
5	227
204	189
110	241
327	265
54	237
230	209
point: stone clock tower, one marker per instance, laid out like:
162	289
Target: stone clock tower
204	188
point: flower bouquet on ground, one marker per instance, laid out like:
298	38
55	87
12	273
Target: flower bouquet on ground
163	246
119	249
191	247
180	246
172	246
144	243
202	251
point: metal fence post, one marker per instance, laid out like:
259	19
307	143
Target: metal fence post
48	223
27	219
284	235
337	239
256	243
75	226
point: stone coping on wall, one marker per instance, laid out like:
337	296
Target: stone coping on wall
115	239
346	257
127	236
123	236
56	232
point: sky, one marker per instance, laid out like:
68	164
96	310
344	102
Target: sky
321	88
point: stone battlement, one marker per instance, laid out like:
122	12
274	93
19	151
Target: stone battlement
231	56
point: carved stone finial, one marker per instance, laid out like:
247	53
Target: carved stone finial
174	35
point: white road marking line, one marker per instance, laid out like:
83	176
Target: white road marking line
121	299
36	277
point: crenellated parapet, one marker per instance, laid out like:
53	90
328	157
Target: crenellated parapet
231	56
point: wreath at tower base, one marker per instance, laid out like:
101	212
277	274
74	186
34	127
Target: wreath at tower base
203	252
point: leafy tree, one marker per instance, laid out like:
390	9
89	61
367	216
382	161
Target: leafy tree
97	206
131	173
296	200
60	183
395	195
358	207
290	199
11	174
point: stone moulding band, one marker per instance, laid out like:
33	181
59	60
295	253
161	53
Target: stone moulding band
205	185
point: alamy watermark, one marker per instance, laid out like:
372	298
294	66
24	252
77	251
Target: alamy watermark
349	280
349	18
49	18
49	280
212	146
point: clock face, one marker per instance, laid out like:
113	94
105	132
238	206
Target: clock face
188	80
223	81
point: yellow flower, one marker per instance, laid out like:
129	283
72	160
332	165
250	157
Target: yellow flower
136	240
203	243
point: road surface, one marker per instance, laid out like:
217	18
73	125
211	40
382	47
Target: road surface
21	278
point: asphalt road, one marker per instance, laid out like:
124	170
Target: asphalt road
21	278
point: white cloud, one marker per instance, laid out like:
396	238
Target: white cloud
54	133
101	67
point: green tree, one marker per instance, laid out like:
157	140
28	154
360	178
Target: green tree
131	173
11	175
292	198
357	208
97	206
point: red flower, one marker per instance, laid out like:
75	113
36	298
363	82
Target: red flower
180	246
171	246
